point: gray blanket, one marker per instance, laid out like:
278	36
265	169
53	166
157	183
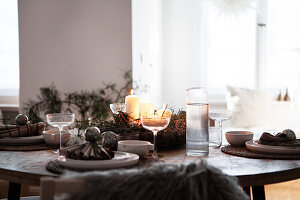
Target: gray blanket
191	181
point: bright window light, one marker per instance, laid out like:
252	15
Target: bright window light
230	49
283	44
9	48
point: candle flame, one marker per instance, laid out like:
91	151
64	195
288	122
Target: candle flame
131	91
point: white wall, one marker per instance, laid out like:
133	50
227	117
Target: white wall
75	44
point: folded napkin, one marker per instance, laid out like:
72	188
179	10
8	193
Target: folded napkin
89	151
22	130
285	138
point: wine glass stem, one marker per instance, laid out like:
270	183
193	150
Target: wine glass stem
154	155
60	143
221	130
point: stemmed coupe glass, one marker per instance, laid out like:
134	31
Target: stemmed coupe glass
155	123
60	120
219	115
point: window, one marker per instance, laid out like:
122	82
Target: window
230	49
283	45
259	48
9	49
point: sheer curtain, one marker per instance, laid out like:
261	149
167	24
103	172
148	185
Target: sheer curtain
197	46
283	46
147	49
203	43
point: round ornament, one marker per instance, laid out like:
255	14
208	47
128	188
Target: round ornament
287	133
92	134
110	140
21	119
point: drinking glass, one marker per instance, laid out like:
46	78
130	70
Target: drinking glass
215	137
197	138
60	120
218	115
155	123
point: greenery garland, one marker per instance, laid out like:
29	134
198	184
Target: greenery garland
93	110
88	104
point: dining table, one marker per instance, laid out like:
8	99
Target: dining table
27	167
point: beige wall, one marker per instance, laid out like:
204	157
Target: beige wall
75	44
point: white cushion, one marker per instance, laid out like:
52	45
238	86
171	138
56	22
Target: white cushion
257	108
249	107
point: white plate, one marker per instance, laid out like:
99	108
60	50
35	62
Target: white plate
120	160
254	146
21	140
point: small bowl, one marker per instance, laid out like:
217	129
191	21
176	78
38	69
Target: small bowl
135	146
238	138
51	137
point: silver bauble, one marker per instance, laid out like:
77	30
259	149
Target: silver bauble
21	119
289	134
92	134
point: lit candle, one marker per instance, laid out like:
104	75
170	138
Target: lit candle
146	109
132	105
164	112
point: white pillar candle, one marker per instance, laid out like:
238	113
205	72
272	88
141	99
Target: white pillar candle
146	109
132	105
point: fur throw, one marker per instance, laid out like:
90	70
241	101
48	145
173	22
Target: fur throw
192	181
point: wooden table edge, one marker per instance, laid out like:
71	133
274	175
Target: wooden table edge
269	178
23	177
244	181
255	179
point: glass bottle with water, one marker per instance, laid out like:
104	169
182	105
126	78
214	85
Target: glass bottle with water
197	109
